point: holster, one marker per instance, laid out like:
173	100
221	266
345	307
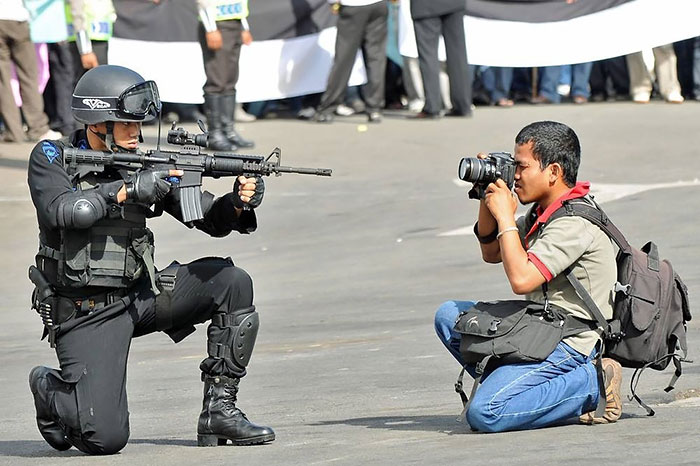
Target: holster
52	309
165	279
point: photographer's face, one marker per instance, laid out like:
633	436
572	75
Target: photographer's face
531	182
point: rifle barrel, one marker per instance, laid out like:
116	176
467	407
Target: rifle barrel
304	171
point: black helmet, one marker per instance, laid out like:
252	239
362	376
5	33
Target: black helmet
114	93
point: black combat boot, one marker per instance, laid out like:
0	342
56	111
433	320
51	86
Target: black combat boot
227	120
221	420
49	429
216	138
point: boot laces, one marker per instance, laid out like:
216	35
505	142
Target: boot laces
230	396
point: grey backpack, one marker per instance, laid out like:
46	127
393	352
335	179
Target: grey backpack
651	307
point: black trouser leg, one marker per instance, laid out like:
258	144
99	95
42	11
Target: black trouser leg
457	67
62	71
428	32
374	52
221	66
351	24
88	394
214	289
205	289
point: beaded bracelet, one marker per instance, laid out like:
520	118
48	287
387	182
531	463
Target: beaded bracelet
500	233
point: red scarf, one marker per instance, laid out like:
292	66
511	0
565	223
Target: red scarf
581	189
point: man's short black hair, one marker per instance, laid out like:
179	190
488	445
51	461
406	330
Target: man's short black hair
553	142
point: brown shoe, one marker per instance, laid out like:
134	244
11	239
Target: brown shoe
540	99
612	371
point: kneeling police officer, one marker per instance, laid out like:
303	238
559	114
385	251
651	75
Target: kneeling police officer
96	259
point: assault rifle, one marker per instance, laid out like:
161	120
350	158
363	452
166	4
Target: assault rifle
190	160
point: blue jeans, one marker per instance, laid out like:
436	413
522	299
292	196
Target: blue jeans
497	81
580	74
526	395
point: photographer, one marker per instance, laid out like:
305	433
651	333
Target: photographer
531	395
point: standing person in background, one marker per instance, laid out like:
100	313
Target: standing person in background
497	81
609	79
549	81
432	18
16	47
666	76
222	32
48	25
90	24
696	68
361	24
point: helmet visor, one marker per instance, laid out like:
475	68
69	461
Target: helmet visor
140	100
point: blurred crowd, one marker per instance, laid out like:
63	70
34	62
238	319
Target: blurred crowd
73	36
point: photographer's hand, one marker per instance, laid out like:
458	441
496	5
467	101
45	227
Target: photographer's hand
502	203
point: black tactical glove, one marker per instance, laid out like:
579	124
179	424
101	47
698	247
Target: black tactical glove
255	199
148	186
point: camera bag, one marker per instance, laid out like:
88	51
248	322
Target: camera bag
494	333
651	306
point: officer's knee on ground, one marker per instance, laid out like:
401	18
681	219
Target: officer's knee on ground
105	443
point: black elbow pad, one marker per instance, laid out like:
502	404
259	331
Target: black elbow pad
82	212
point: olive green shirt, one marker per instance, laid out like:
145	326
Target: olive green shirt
567	241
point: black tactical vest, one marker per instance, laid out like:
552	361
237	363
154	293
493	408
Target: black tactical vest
113	253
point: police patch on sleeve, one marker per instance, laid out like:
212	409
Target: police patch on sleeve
50	150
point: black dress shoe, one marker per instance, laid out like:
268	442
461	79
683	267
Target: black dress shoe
424	116
374	117
458	113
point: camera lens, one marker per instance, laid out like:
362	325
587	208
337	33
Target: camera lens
471	169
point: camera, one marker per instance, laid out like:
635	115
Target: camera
482	172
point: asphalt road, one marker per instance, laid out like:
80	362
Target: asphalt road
348	271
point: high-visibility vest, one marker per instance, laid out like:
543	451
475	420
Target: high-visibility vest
100	16
231	9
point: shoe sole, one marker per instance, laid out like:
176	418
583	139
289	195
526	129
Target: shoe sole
218	440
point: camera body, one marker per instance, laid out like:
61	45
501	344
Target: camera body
482	172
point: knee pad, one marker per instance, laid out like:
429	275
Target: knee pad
244	324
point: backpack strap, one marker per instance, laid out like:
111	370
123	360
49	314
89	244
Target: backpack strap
467	400
591	211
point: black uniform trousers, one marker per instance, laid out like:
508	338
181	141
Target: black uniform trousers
88	393
614	69
359	27
58	96
221	66
428	31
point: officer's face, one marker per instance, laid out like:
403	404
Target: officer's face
125	133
